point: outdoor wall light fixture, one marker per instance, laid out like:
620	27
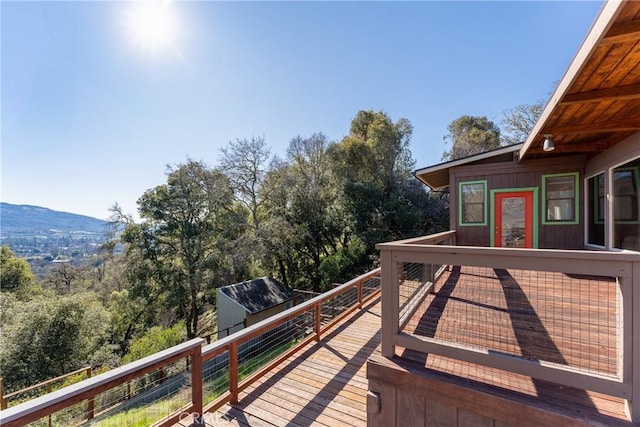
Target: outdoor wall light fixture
548	143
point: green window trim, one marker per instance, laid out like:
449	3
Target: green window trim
576	199
483	223
535	212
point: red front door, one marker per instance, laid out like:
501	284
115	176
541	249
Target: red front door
514	219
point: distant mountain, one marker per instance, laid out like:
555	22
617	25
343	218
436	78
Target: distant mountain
30	219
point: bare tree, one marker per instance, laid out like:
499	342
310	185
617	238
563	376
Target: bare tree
244	164
518	122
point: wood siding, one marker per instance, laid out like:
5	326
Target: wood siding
403	393
513	175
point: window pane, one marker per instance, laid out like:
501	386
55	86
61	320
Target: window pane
473	193
560	210
473	203
560	187
595	207
626	206
473	213
560	194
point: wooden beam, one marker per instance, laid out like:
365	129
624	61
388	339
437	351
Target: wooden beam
627	125
575	147
621	33
611	94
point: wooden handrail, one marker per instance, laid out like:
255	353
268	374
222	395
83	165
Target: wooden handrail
47	382
431	239
44	405
526	259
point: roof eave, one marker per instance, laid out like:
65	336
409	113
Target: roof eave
459	162
601	25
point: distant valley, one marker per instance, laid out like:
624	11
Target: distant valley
43	234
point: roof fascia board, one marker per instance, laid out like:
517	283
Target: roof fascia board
463	161
608	13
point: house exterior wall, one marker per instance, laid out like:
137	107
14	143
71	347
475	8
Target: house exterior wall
621	153
228	313
514	175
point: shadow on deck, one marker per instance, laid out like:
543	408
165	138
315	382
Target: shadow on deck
322	384
553	318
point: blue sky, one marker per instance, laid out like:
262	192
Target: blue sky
90	117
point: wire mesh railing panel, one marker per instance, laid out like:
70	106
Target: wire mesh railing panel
564	319
215	377
139	402
337	305
145	400
414	281
370	286
263	349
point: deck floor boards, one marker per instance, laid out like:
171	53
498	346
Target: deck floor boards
325	384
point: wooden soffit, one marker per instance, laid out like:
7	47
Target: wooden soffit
437	176
597	102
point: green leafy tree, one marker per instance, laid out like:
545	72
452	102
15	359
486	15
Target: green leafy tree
470	135
154	340
47	337
16	275
374	163
183	243
306	222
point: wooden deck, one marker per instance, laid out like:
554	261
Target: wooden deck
325	383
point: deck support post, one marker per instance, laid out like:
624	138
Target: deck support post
390	311
233	372
318	314
90	402
3	402
196	385
632	406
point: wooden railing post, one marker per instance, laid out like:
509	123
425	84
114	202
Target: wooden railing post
196	385
360	294
233	372
91	401
161	375
49	391
318	313
633	406
3	402
390	310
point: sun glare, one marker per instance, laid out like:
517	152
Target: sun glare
152	26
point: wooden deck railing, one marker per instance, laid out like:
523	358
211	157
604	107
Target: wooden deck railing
363	288
47	386
623	266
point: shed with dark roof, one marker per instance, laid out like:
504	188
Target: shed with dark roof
246	303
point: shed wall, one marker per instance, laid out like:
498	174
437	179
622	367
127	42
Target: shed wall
229	313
